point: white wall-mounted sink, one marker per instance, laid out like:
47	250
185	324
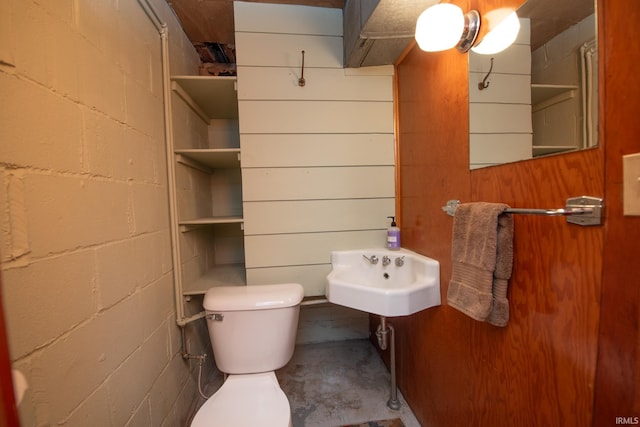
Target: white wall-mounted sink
408	283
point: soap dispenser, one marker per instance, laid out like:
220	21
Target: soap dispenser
393	235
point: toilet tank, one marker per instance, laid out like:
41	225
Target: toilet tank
253	328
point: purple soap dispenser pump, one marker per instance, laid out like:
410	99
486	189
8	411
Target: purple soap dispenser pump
393	235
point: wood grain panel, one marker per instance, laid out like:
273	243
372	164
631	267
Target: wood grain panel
433	162
618	375
540	369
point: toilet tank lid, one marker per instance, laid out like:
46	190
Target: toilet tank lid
254	297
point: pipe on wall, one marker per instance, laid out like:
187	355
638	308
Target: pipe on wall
171	172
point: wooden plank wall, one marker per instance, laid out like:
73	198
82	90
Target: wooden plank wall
542	368
318	168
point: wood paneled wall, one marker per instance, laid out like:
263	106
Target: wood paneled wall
573	333
618	374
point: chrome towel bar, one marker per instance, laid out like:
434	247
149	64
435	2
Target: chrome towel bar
583	210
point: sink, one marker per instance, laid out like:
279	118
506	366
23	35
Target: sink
410	282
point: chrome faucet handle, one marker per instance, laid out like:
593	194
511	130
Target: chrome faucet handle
372	259
400	261
386	260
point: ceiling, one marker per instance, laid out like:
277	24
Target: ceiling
211	21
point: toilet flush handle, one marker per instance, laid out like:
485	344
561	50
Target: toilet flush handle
215	316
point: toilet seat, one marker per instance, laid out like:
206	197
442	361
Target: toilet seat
246	401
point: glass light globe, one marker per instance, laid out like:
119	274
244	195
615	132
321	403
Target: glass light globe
439	27
500	37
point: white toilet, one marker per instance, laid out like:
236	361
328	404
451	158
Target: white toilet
253	333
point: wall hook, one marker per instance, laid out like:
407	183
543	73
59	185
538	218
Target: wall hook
301	81
485	84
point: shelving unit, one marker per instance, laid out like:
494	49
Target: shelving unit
207	185
544	95
547	98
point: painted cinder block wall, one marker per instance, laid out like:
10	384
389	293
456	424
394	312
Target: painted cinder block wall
86	260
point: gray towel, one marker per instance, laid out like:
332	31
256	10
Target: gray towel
482	255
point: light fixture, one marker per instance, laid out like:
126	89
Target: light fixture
443	26
502	35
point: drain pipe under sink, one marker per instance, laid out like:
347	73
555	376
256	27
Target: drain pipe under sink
382	333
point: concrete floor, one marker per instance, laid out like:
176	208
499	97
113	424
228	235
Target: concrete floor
337	383
333	384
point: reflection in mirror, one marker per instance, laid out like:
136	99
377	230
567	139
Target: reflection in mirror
539	96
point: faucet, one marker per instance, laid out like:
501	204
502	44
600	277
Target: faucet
372	259
386	260
400	261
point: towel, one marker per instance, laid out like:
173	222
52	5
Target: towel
482	255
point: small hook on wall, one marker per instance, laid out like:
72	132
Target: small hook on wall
301	81
484	83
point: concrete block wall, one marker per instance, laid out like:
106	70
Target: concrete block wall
87	276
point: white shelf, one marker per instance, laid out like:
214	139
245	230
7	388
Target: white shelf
543	150
211	97
543	95
214	100
221	275
208	159
190	224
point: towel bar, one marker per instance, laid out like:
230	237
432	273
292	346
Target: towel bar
584	210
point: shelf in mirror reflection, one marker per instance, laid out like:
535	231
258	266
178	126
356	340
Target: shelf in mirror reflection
544	150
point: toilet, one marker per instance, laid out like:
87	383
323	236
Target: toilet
253	333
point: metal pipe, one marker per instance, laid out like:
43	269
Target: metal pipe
382	333
393	402
163	30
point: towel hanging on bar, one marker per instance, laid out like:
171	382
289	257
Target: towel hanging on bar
584	210
482	256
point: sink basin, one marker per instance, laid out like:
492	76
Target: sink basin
397	289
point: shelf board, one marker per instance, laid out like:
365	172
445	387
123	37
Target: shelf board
221	275
543	150
220	158
215	96
543	92
190	224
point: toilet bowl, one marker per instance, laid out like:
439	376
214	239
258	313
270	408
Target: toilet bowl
246	400
252	331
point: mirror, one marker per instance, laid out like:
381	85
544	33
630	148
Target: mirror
539	96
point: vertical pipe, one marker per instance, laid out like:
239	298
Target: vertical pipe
171	173
393	402
382	333
171	178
